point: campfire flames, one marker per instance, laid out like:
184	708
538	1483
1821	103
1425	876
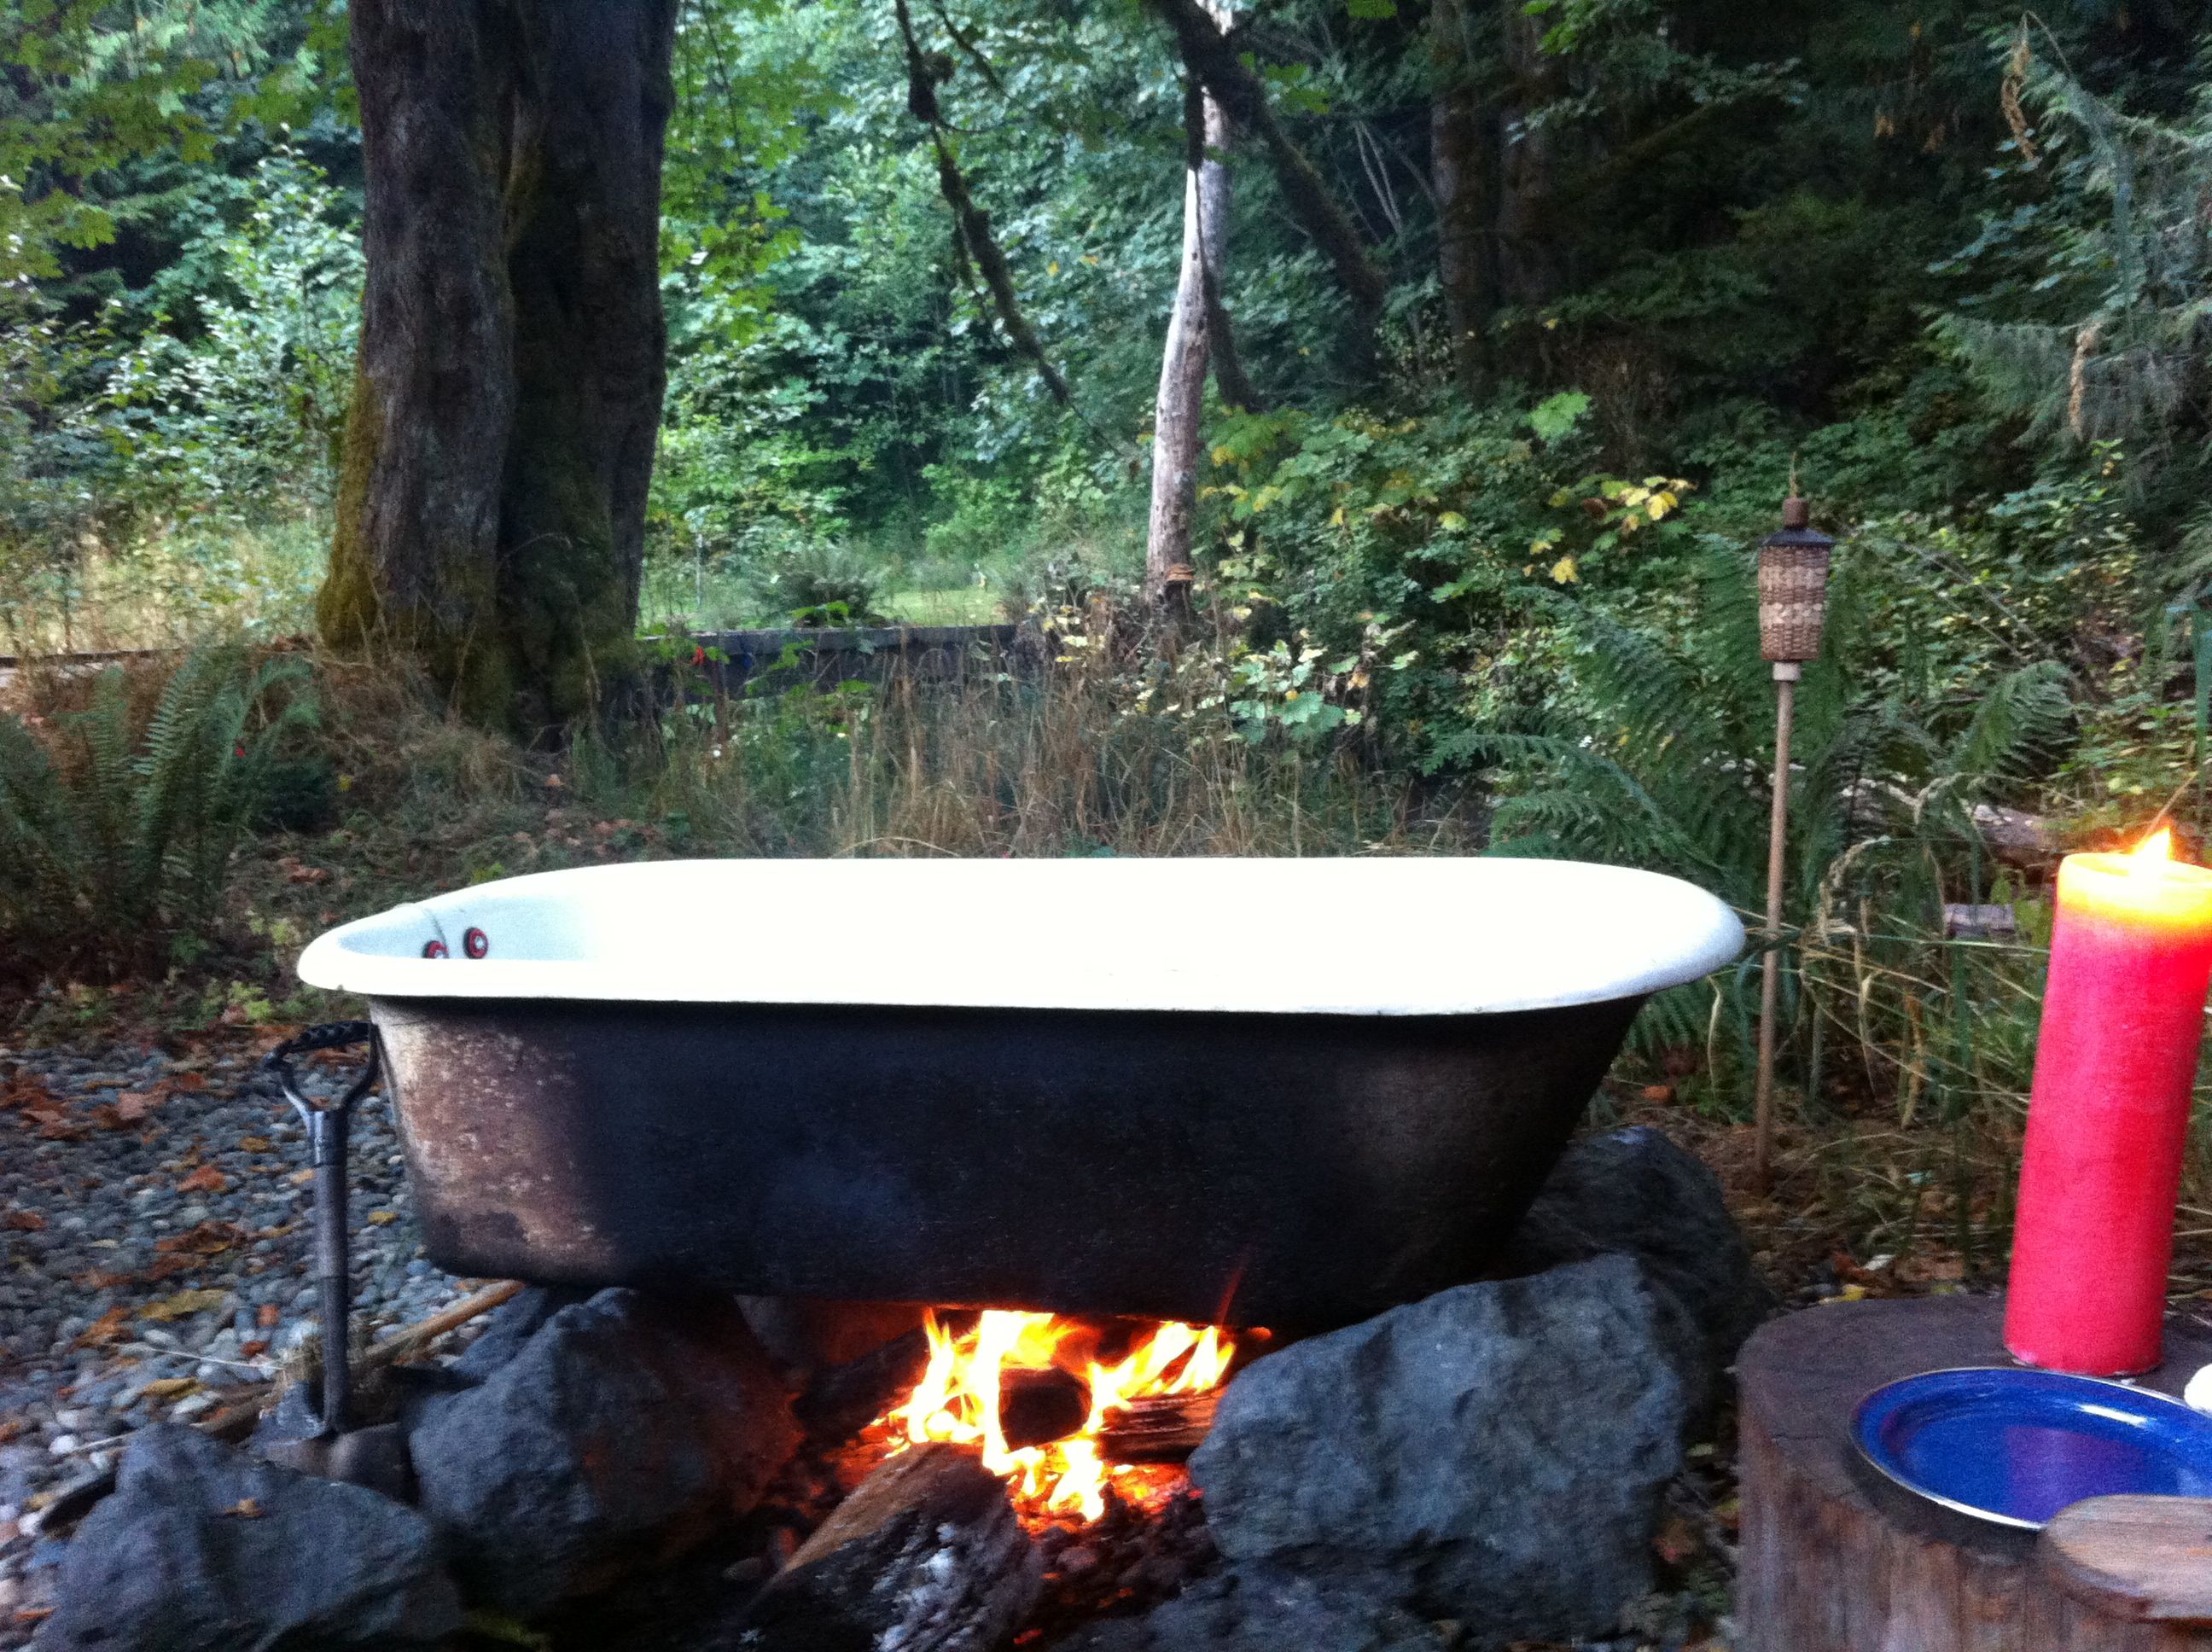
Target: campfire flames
957	1400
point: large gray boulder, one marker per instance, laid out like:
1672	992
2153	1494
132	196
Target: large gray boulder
510	1327
1493	1454
204	1548
1635	1193
1255	1609
620	1431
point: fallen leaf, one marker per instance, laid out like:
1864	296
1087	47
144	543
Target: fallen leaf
1937	1268
99	1279
256	1345
32	1614
185	1305
106	1328
1676	1541
382	1219
210	1238
205	1180
133	1105
267	1314
1850	1270
245	1509
25	1090
23	1222
255	1144
1658	1093
493	1626
300	1178
172	1387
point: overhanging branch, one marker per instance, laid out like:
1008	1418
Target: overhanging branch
972	222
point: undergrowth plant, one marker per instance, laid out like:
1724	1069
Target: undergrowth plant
117	831
1663	758
1014	759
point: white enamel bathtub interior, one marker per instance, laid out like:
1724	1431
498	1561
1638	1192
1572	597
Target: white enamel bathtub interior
1413	935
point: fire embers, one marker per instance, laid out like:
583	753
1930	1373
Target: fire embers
1041	1398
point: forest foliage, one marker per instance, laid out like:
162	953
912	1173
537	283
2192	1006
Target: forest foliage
1946	261
1949	258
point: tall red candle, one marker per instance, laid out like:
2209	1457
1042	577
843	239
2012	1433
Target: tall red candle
2115	1063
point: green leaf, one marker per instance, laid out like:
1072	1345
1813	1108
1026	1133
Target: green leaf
1556	416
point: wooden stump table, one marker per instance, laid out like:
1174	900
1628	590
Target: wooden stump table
1828	1568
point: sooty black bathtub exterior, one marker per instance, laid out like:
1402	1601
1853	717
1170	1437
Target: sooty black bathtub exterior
1292	1171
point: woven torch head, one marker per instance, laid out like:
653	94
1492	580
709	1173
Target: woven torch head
1792	587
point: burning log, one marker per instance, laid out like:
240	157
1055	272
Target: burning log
1161	1428
842	1401
927	1555
1036	1407
813	1336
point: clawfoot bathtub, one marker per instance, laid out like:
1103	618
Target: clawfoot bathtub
1277	1092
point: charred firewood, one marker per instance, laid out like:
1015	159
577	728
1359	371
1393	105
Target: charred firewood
926	1555
1037	1407
1160	1428
844	1399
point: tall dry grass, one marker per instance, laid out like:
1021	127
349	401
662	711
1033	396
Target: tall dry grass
1001	763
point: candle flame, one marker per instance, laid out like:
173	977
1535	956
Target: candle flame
2159	846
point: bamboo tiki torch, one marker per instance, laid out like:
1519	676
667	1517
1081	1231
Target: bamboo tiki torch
1793	590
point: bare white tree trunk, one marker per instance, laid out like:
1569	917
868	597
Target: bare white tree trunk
1183	362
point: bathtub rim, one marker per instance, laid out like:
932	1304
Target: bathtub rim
1665	932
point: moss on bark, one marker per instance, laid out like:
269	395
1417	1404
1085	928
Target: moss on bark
346	608
491	505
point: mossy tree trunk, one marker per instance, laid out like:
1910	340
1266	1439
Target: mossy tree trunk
1528	272
491	508
1462	175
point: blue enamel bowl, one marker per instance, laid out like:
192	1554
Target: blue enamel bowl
2011	1447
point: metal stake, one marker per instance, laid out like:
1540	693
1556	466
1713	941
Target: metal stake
1785	693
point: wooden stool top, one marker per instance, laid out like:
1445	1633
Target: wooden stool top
1804	1374
1828	1565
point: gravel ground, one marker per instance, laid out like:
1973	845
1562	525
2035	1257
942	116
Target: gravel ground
156	1235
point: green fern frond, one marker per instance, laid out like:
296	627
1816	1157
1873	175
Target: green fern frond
128	839
2016	724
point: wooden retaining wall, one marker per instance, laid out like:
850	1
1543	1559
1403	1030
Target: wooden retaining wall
772	660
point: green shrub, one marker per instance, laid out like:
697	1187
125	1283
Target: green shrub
818	581
236	408
118	832
1659	751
